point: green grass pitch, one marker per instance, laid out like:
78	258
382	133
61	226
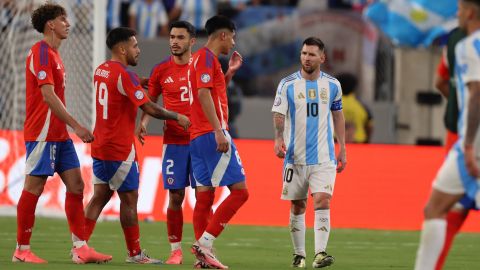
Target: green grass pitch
239	247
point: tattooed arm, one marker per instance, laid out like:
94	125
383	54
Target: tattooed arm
473	122
279	126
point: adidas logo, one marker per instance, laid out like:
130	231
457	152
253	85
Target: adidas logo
168	80
323	229
293	229
301	96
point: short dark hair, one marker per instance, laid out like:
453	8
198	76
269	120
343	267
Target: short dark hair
476	2
218	22
314	41
183	24
348	82
119	34
45	13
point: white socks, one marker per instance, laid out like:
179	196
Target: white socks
297	232
176	245
321	228
432	240
206	240
77	242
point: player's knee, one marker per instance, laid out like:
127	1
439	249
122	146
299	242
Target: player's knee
431	211
241	195
323	203
176	198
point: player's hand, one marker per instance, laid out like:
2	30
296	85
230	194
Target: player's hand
280	148
140	132
144	82
471	162
183	121
84	134
342	160
222	142
235	62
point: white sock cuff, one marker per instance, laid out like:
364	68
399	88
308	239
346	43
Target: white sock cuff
322	212
434	222
297	217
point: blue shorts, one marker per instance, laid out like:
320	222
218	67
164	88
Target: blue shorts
46	158
176	166
212	168
119	175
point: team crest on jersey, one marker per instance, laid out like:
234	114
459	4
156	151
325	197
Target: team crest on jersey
278	101
324	95
205	78
312	94
170	181
42	75
139	94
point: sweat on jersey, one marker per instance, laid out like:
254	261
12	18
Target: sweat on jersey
205	71
171	81
118	94
43	66
307	107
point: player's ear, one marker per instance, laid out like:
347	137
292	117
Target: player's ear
322	57
193	41
50	25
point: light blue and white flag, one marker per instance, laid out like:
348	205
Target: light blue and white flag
413	22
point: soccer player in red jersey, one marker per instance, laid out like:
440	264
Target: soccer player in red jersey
49	147
215	160
169	79
115	168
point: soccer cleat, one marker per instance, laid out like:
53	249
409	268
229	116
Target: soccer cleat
322	259
201	265
298	261
26	256
142	258
176	257
86	254
206	256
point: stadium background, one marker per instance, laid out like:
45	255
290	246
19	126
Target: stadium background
386	183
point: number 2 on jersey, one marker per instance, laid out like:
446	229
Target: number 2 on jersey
102	97
184	94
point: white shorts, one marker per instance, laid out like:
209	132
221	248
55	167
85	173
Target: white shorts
297	179
453	177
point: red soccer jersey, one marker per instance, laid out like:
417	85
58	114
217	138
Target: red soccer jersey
43	66
206	72
170	80
118	95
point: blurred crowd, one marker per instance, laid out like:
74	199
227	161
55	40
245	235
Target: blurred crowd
151	17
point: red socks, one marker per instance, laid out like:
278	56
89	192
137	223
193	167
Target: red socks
174	225
75	214
89	227
26	217
132	238
201	212
454	223
226	211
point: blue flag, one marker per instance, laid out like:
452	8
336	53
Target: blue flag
413	23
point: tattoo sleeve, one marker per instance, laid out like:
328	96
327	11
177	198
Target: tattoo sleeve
473	114
278	124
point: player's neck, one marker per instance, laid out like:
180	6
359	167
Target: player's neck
312	76
473	27
52	40
119	59
181	59
213	47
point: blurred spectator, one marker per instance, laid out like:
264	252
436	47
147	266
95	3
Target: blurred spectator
358	119
117	13
149	18
235	96
196	12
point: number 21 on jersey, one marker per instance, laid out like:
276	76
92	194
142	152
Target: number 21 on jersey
102	95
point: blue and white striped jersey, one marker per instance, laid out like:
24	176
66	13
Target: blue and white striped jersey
307	107
197	12
467	69
149	16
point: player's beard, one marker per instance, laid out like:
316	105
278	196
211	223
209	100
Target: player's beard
179	53
132	60
309	70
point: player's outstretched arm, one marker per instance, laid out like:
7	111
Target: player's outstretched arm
339	126
234	64
57	107
473	122
279	127
157	111
205	99
141	129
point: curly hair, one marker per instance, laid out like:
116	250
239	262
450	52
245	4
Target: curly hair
45	13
